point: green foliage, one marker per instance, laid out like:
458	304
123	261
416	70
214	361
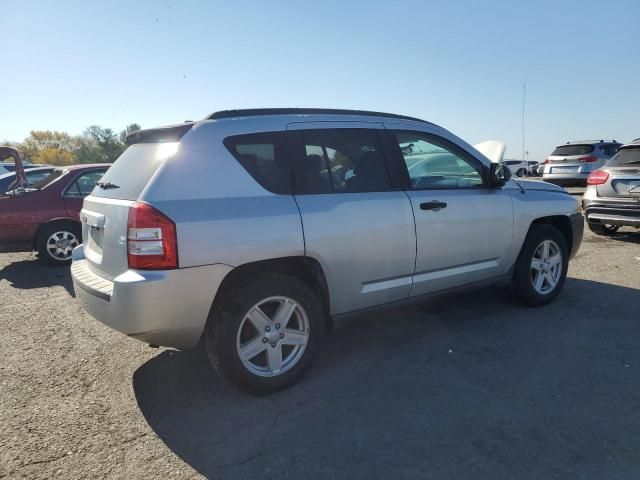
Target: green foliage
129	128
54	156
95	145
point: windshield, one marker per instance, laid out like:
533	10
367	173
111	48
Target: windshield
570	150
626	156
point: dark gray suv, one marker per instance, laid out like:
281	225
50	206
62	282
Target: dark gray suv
612	198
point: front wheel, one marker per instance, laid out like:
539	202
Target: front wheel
541	268
56	242
521	173
262	336
603	228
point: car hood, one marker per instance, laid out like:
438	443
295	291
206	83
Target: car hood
539	185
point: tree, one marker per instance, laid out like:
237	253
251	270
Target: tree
88	151
107	140
54	156
129	128
39	140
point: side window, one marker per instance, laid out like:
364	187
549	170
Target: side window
265	157
83	185
433	164
609	149
344	160
33	177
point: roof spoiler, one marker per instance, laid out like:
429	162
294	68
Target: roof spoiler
172	133
21	177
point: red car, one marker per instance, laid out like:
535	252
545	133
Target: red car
46	216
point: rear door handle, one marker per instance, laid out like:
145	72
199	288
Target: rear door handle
433	205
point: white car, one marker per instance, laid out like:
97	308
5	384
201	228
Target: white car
520	168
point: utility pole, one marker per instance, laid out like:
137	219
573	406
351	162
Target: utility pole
524	95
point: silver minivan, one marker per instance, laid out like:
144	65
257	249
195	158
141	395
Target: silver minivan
255	231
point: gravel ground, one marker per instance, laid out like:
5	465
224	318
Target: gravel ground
471	386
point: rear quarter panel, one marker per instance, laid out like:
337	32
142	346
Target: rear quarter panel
221	213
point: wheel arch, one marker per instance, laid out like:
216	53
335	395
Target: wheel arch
304	268
560	222
53	221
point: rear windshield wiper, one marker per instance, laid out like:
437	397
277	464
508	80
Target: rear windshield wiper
630	162
107	185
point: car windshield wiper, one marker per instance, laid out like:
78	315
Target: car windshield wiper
107	185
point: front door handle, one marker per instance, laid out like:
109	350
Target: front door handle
433	205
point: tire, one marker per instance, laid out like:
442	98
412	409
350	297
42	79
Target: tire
521	173
69	234
603	228
525	275
229	329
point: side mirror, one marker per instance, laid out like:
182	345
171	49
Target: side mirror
499	174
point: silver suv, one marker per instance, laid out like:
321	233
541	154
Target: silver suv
612	198
571	164
256	230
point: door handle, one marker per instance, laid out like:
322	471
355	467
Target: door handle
433	205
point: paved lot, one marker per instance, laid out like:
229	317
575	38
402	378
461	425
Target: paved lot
473	386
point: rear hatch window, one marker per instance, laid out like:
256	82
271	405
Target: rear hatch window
571	150
625	157
130	173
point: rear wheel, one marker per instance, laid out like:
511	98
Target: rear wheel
541	268
603	228
56	242
263	335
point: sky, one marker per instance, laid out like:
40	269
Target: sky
462	65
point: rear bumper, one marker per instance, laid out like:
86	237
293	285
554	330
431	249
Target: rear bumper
577	231
625	213
565	178
163	307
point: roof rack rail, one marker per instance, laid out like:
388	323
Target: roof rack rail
591	141
253	112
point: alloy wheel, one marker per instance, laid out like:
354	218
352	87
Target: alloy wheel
546	267
60	245
272	336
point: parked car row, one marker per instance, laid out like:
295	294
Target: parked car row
299	217
45	215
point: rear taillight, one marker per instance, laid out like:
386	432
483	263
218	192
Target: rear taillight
588	159
546	160
151	239
597	177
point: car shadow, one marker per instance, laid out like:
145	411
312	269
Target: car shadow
472	384
28	274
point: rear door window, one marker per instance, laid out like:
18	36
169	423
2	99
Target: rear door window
265	157
570	150
343	160
83	185
625	156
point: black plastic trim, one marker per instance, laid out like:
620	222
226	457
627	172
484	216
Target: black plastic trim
171	133
577	231
254	112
